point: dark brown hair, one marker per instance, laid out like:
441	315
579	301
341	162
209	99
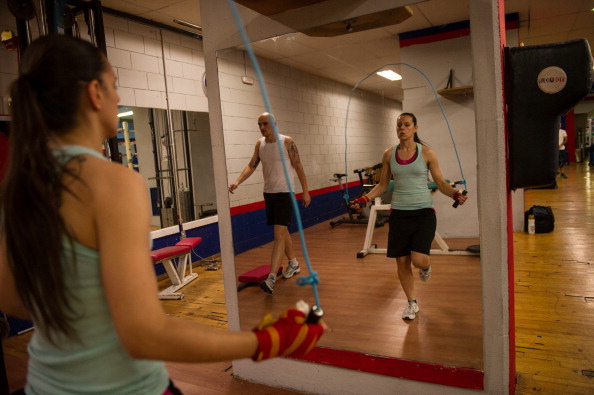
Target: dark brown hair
45	103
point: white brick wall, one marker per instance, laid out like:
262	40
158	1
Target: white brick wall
149	98
136	53
128	41
310	109
128	78
145	63
119	58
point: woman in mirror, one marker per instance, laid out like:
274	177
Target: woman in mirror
412	216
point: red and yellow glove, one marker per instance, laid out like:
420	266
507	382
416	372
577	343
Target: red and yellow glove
362	202
287	336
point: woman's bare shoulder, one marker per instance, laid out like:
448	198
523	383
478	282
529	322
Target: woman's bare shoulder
388	152
427	151
109	177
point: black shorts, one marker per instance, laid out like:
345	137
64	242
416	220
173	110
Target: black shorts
411	230
279	208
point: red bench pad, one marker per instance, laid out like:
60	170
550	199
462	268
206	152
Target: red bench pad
169	252
257	275
189	241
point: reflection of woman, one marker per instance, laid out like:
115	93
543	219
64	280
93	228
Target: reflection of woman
412	218
73	225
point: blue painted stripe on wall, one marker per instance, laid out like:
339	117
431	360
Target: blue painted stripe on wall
250	229
450	27
434	30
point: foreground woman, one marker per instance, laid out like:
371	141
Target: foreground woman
73	225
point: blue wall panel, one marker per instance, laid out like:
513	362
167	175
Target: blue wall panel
250	229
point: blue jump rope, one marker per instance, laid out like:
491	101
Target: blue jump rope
316	311
463	182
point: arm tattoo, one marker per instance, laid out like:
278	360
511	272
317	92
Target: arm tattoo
293	151
256	163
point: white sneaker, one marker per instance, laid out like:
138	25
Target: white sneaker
425	275
411	310
291	270
268	285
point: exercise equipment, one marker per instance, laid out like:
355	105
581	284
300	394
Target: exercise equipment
369	248
354	216
357	216
444	249
541	83
176	259
457	203
255	276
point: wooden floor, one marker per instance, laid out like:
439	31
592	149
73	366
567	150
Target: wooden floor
363	299
554	291
554	298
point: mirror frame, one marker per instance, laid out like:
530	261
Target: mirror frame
488	39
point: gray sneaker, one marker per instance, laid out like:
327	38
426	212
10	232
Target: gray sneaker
291	270
425	274
411	310
267	285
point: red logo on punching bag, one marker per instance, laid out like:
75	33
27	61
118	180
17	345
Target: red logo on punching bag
551	79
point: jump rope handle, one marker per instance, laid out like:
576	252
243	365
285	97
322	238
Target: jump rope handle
313	315
457	203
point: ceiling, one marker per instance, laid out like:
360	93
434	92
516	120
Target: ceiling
350	57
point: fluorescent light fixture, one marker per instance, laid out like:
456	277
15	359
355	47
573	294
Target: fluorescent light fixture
187	24
125	114
389	74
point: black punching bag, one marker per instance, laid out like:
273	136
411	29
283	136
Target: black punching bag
542	82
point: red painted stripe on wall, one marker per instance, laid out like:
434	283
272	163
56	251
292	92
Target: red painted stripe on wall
246	208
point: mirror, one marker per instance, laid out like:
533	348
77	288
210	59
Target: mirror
187	182
362	298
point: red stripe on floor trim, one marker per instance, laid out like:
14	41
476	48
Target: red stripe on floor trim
394	367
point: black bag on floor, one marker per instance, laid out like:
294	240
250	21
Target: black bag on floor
544	219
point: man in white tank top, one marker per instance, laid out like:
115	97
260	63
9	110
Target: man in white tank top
277	193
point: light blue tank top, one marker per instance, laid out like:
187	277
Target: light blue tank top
410	183
100	364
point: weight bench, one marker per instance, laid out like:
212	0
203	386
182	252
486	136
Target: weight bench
369	248
176	259
255	276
